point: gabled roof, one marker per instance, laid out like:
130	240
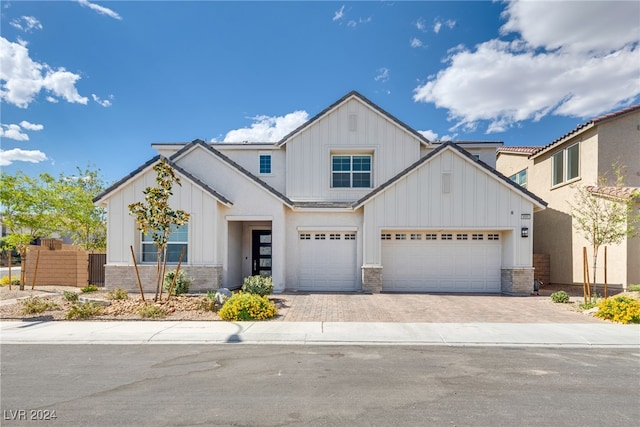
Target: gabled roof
234	165
356	95
453	146
105	194
584	127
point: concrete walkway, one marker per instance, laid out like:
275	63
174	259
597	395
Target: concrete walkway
571	335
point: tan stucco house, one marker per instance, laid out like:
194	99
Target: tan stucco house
353	200
553	171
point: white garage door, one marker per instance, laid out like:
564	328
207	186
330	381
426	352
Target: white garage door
327	261
441	262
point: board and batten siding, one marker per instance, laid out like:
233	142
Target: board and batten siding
476	201
308	154
123	230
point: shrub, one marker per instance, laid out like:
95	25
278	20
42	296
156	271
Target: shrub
151	310
560	297
70	296
89	288
258	285
34	305
117	294
633	288
83	311
246	306
182	282
207	303
620	309
5	281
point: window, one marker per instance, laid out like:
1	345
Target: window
401	236
385	236
462	237
305	236
333	236
416	236
320	236
477	236
446	236
265	164
520	178
349	171
566	165
178	239
350	236
493	236
430	236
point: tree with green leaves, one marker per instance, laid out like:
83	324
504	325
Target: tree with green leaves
31	208
604	214
156	217
84	222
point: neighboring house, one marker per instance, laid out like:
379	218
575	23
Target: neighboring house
353	200
580	157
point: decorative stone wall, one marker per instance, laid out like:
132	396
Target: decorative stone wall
372	278
517	281
542	264
205	277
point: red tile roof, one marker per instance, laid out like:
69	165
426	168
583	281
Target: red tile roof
624	193
523	150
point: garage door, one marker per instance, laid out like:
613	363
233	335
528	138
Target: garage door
441	262
327	261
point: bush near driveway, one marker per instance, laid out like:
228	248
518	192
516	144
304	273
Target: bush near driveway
244	306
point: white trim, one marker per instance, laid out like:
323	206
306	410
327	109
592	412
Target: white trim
248	218
326	228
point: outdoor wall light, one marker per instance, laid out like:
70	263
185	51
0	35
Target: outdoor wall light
524	232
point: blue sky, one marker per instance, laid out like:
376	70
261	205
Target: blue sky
84	82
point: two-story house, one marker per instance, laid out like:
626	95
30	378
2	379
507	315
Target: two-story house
353	200
580	158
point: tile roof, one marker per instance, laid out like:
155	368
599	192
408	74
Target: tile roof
623	193
518	150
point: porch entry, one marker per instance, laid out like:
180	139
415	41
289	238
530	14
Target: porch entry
261	253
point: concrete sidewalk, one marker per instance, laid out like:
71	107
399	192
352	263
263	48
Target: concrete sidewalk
579	335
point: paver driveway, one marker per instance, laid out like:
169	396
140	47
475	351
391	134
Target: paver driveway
436	308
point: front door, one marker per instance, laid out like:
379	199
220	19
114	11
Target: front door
261	253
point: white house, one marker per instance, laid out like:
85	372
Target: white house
353	200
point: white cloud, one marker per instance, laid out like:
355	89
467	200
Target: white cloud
103	102
354	23
100	9
31	126
383	75
52	100
268	129
421	25
13	131
339	14
21	78
429	134
581	68
437	26
7	157
26	23
415	42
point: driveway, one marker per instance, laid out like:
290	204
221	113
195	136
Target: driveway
432	308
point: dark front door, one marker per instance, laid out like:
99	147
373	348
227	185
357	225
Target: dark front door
261	249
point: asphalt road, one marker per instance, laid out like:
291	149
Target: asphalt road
281	385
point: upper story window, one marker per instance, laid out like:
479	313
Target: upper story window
265	164
566	165
520	178
351	171
178	238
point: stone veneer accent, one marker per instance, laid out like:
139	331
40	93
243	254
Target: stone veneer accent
205	277
517	281
372	278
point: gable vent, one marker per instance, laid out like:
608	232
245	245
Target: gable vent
353	122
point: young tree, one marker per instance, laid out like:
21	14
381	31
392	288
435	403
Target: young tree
154	216
31	208
604	214
84	222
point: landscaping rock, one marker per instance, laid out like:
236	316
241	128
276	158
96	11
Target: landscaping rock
99	301
222	295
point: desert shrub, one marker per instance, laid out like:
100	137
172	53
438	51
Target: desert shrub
83	310
5	281
207	303
620	309
70	296
182	282
246	306
258	285
152	311
34	305
117	294
560	297
88	289
633	288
